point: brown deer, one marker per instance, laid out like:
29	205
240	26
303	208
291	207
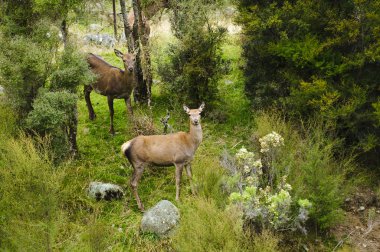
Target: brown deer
111	82
176	149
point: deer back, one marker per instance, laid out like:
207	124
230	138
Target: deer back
111	80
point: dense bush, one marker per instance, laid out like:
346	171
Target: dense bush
193	64
24	68
54	114
316	57
70	71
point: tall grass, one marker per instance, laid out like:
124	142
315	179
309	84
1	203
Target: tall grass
204	227
29	189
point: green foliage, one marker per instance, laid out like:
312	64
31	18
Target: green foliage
204	227
29	189
7	120
194	62
71	71
22	17
316	57
266	200
313	170
266	242
53	114
24	67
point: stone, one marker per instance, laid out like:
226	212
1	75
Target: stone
100	39
106	191
95	27
160	219
362	208
1	90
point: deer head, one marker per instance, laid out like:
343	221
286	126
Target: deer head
128	60
195	114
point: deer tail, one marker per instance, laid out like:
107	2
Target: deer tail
126	149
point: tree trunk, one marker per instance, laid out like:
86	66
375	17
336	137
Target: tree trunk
142	93
127	28
64	31
73	134
114	19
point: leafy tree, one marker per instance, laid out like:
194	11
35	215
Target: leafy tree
24	68
316	57
194	62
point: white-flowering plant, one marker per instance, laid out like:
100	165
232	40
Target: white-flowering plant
266	204
271	141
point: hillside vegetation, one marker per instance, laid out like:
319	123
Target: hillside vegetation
275	171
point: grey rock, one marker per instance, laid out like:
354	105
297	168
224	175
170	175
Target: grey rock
100	39
362	208
160	219
1	90
106	191
95	27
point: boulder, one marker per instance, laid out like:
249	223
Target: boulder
95	27
106	191
100	39
160	219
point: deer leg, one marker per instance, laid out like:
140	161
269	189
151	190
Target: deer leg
134	183
129	105
87	91
189	174
110	106
178	174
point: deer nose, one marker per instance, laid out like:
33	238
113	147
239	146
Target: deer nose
196	122
130	69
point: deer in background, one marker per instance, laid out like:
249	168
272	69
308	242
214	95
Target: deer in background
111	82
176	149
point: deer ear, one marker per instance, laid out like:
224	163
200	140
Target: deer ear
118	53
201	107
187	110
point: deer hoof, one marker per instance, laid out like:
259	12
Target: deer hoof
112	131
92	117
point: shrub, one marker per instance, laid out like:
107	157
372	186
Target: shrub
194	63
24	68
55	114
71	71
313	170
264	196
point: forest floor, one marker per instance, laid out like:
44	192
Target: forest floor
360	229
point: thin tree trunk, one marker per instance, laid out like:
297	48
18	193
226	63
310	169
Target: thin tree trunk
64	31
73	134
114	19
127	28
142	92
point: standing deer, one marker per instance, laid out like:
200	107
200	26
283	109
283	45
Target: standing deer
176	149
111	82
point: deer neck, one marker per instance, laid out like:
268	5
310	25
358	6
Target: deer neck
196	134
